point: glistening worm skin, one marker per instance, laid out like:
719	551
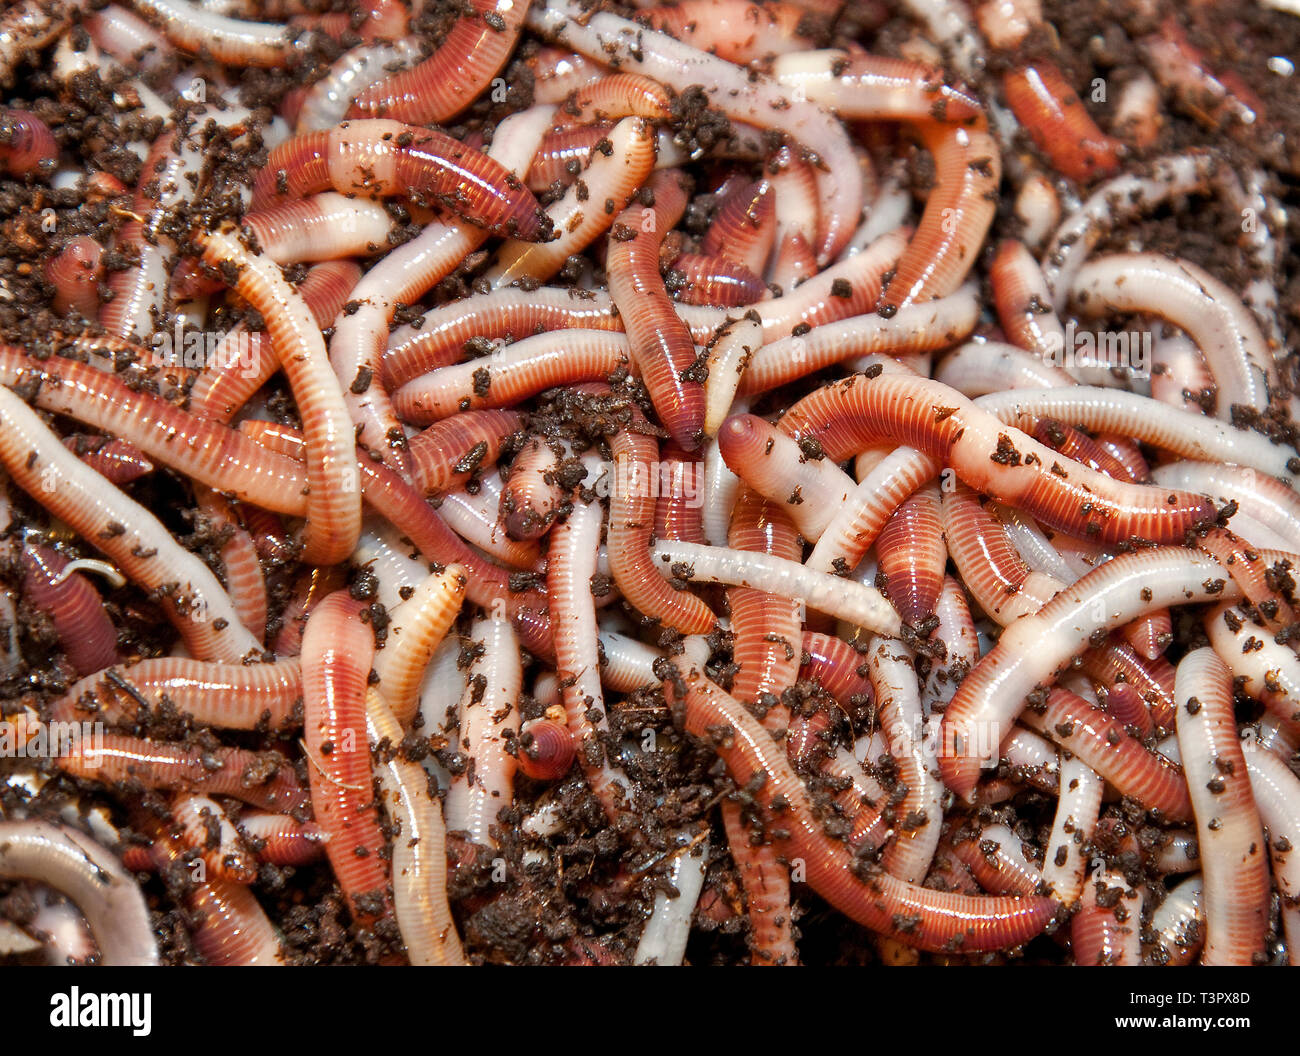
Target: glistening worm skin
532	493
1234	865
337	651
419	624
27	146
1061	127
912	554
86	633
1277	795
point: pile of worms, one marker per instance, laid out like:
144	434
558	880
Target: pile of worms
709	482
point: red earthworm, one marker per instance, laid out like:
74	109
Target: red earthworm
997	861
227	40
570	568
1259	584
132	538
1036	646
75	275
1264	499
325	226
855	526
736	30
1192	299
418	625
695	278
807	488
312	585
209	453
116	461
563	154
1101	741
766	883
509	313
615	96
846	417
980	367
794	188
68	861
457	72
756	100
230	381
920	917
1032	760
532	493
1124	701
1266	669
1047	107
334	494
513	373
1064	861
1039	552
325	103
405	507
241	565
489	726
1177	850
809	740
280	839
476	519
86	634
631	521
1107	928
843	599
1127	455
1234	866
419	852
263	779
1276	793
202	827
765	627
912	554
728	354
1147	421
557	73
1024	303
744	227
27	146
337	652
449	451
1117	662
916	819
227	696
380	19
677	512
612	174
1073	443
546	750
1179	923
661	344
272	541
379	158
956	630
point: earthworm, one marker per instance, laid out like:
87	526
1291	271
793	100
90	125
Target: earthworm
1234	866
1065	862
337	652
513	373
571	567
998	863
1005	23
1179	923
379	19
1268	670
837	667
27	145
1079	446
326	102
489	725
677	512
1192	299
1267	501
240	563
699	279
263	779
418	625
419	864
1107	928
794	187
1276	793
1153	680
729	352
334	491
133	538
203	827
379	158
918	916
227	40
1179	374
857	603
736	30
86	634
562	154
280	839
75	274
613	97
744	227
311	587
325	226
663	940
546	750
28	26
1047	107
1024	304
1036	646
476	519
611	175
978	368
912	555
607	37
1125	703
116	461
449	451
766	882
91	877
956	630
228	696
532	493
445	83
1260	585
943	423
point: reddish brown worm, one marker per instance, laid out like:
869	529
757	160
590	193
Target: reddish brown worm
1059	123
